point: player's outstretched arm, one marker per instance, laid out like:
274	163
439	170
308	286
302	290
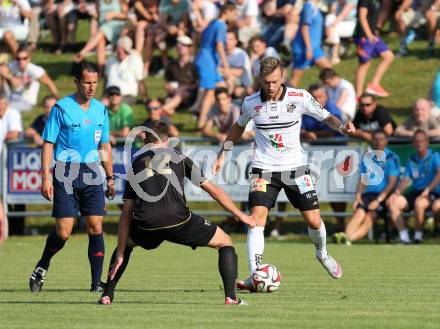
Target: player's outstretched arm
336	124
123	231
46	161
222	198
233	137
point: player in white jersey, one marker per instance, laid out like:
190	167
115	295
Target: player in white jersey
279	162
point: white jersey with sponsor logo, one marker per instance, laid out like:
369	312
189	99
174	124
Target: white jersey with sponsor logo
278	125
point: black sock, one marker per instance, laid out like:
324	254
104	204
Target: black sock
227	266
96	256
111	284
53	245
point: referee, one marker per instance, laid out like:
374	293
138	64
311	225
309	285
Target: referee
155	210
76	135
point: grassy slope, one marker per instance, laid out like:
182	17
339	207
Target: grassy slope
174	287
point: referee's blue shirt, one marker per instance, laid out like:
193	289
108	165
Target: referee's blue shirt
75	132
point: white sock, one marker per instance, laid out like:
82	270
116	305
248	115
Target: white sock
255	247
287	42
319	239
418	235
404	236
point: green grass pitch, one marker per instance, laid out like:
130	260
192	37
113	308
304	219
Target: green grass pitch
384	286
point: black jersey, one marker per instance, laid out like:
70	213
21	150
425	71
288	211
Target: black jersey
157	186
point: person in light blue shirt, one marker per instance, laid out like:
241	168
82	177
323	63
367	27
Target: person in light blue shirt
77	127
422	171
379	173
306	47
212	52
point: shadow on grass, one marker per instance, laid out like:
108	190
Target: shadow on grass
117	290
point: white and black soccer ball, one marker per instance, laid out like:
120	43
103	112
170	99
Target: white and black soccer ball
266	278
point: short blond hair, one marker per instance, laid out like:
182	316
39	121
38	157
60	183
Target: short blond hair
269	65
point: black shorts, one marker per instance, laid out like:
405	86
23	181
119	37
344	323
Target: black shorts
297	184
367	198
412	196
197	231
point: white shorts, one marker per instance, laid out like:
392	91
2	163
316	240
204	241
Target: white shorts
344	29
20	32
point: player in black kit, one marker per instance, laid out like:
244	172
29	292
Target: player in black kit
155	210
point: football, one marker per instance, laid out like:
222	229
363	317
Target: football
266	278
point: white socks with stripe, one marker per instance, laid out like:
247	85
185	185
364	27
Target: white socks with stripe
255	247
319	239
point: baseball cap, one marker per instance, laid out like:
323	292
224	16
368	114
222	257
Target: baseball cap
185	40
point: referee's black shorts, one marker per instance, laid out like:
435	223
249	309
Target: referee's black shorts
298	185
197	231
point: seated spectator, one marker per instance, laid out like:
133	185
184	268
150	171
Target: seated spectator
37	7
432	15
247	23
422	171
201	13
370	45
23	82
154	107
212	53
259	52
61	18
4	70
313	129
341	92
125	70
112	17
35	131
340	22
306	47
372	117
435	90
14	23
120	115
422	118
372	191
147	20
240	76
278	12
222	116
408	17
181	78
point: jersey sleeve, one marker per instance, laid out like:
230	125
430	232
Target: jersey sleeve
307	14
129	193
393	166
14	121
105	136
384	117
244	116
193	172
407	173
53	124
313	108
220	36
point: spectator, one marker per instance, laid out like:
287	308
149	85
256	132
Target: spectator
125	70
4	70
222	116
61	18
422	118
432	15
435	90
14	19
372	117
37	127
181	78
34	26
247	23
154	107
340	23
341	92
240	76
423	170
370	45
279	12
112	15
201	13
408	17
23	82
147	19
212	53
120	115
372	191
259	52
306	47
311	128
